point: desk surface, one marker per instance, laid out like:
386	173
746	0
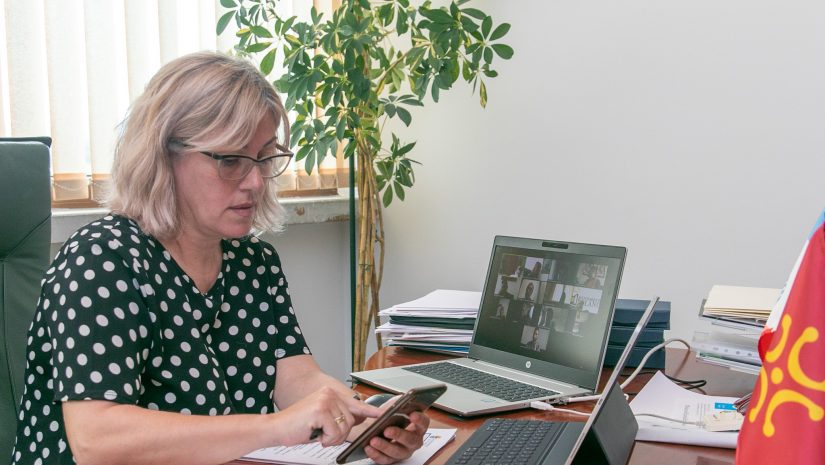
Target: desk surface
680	363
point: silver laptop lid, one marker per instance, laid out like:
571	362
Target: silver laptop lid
614	378
546	308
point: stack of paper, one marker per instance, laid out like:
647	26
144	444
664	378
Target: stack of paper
441	321
744	309
735	302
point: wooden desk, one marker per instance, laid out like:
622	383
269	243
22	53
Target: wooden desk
680	363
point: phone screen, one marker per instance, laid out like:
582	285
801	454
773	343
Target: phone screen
414	400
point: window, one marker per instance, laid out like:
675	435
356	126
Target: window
70	68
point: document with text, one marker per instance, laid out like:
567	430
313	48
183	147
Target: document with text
315	454
661	399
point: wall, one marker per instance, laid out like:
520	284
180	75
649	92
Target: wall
315	258
693	133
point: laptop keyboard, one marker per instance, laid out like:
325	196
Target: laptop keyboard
479	381
503	441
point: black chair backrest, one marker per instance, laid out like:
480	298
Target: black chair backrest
25	236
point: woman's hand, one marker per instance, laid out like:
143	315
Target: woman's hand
399	443
331	411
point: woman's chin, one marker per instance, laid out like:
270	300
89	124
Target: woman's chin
237	230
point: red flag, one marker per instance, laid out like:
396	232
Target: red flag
785	423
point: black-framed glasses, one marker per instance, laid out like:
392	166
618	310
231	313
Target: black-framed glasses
234	167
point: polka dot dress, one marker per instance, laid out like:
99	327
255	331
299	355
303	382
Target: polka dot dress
118	320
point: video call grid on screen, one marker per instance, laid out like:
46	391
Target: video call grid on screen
547	305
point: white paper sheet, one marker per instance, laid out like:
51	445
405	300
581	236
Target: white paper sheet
443	299
661	396
314	454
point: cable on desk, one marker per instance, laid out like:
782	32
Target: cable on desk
687	384
635	372
694	423
540	405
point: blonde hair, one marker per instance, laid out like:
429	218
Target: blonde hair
205	101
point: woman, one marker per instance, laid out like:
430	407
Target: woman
164	332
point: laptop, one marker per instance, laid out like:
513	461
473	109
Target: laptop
541	331
606	438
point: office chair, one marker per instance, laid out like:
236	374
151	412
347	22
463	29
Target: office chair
25	236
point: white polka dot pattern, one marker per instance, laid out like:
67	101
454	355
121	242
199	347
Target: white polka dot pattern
118	320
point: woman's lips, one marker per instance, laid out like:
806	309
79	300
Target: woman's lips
245	209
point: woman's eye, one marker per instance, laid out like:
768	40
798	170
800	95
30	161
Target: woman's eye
228	162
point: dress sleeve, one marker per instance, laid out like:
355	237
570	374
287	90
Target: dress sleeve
290	340
100	328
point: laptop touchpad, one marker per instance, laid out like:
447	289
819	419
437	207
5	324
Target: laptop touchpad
402	383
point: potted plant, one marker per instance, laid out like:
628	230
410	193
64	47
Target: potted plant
345	77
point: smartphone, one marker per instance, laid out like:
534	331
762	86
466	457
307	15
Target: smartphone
415	400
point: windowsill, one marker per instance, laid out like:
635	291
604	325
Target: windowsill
299	210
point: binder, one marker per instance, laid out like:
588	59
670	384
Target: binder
619	335
628	312
657	360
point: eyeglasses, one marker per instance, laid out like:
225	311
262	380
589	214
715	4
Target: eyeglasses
234	167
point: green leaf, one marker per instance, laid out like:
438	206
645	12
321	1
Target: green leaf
486	25
259	47
466	72
488	54
228	3
402	24
500	31
483	94
411	100
261	31
475	13
405	115
389	109
468	24
399	191
504	51
436	15
405	149
224	21
350	149
340	128
268	62
387	198
302	152
309	161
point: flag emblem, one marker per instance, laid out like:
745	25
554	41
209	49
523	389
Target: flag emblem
785	423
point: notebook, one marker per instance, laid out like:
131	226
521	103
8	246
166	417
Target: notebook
606	438
541	331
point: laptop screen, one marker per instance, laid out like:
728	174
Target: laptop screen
550	304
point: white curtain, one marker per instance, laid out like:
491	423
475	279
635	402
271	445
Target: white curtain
70	68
